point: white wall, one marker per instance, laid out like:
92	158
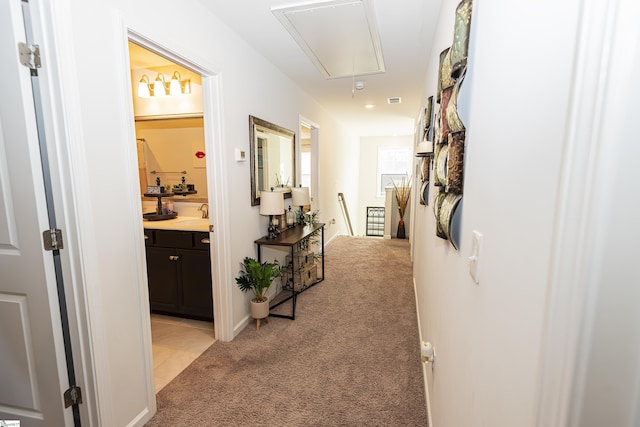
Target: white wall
368	177
607	390
514	103
338	175
101	129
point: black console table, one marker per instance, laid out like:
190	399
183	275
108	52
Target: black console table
293	238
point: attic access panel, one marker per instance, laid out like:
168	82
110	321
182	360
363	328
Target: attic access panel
340	36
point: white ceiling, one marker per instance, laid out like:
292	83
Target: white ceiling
406	29
340	37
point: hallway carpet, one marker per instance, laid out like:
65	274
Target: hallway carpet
351	357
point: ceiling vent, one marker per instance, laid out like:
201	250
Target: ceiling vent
340	37
394	100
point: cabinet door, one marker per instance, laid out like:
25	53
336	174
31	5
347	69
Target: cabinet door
162	273
197	298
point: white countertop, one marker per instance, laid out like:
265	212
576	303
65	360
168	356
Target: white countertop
187	223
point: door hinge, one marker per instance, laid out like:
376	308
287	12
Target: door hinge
73	396
29	55
52	239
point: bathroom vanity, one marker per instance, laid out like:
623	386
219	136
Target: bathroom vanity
179	268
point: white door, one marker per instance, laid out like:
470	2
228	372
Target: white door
32	364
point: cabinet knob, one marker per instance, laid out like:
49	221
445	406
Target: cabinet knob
146	237
205	241
174	257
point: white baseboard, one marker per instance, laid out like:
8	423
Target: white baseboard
424	365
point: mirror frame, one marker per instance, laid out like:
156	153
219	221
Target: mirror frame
253	122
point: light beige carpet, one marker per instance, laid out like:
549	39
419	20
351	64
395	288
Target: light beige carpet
351	357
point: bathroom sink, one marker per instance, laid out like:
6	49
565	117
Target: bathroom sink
187	221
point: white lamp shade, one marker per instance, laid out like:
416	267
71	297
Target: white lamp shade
143	90
271	203
143	87
158	86
300	196
174	87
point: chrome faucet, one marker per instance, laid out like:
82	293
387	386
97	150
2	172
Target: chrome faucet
205	210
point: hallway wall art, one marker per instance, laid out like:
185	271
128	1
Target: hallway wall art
449	131
425	161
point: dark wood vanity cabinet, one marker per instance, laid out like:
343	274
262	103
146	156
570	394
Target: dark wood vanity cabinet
179	273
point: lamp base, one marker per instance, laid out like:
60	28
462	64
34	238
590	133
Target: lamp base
272	229
301	216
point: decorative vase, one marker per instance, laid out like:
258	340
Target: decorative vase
259	310
401	234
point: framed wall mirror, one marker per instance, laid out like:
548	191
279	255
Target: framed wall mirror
273	158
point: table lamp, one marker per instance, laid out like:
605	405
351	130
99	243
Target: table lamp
300	197
272	203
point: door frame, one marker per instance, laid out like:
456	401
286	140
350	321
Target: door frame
315	153
572	283
65	144
216	174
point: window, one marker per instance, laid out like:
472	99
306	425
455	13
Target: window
394	163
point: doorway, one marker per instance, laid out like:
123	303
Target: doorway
309	149
170	144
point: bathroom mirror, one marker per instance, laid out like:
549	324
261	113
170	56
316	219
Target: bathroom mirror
273	163
170	149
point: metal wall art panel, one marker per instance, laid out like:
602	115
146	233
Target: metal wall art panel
460	46
444	123
454	124
437	208
445	215
440	167
455	163
449	131
444	55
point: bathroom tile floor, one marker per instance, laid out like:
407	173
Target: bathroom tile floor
176	343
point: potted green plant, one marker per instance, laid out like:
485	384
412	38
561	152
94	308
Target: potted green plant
256	277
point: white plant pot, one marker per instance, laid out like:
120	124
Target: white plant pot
260	310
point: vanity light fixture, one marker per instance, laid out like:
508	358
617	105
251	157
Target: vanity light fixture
160	87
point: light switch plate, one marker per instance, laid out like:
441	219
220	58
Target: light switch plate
474	259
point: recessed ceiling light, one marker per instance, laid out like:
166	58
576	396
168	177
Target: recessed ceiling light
369	106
